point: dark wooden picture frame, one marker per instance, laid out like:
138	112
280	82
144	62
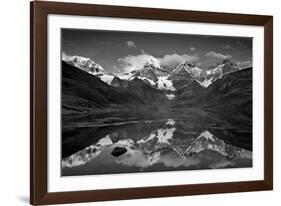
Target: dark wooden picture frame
38	102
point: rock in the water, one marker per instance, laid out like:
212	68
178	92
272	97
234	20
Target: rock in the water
117	151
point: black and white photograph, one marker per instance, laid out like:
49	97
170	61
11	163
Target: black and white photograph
154	102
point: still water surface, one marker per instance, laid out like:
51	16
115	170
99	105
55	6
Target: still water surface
187	141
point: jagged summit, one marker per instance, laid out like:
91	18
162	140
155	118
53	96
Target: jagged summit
185	73
84	63
218	72
156	75
153	62
88	65
187	63
187	68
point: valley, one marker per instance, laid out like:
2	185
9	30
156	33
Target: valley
153	90
183	118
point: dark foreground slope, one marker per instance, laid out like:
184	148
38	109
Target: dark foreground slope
83	93
232	92
142	89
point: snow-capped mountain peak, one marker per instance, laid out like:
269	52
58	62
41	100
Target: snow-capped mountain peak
88	65
216	73
225	67
84	63
187	67
206	135
154	74
153	62
151	71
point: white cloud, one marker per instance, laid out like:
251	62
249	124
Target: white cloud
218	55
192	48
130	44
136	62
244	64
65	56
173	60
132	62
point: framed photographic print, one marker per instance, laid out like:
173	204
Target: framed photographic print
133	102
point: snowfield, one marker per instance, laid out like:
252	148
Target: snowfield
149	80
164	83
206	82
107	78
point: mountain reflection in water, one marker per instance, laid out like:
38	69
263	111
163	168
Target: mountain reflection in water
152	146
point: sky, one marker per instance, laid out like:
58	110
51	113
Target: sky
119	51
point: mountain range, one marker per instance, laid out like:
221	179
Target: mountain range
158	76
161	118
87	87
